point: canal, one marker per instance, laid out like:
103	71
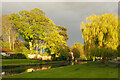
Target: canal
23	69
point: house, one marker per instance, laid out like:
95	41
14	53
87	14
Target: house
46	58
38	56
118	58
31	56
6	52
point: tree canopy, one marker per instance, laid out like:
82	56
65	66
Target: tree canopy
101	31
40	32
78	50
31	24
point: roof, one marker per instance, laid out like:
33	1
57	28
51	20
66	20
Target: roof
6	50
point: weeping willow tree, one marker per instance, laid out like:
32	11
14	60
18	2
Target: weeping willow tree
101	31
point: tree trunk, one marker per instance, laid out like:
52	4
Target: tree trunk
9	42
37	47
41	47
30	45
14	38
13	42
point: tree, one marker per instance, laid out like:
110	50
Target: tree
20	48
63	31
119	36
63	51
6	29
77	50
54	42
8	32
79	47
101	31
32	25
106	53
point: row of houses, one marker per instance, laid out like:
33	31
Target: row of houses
7	52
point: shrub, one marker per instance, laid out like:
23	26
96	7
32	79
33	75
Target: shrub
15	56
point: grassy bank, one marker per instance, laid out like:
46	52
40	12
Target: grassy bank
17	62
88	70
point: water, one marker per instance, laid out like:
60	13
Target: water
24	69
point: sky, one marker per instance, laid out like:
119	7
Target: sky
67	14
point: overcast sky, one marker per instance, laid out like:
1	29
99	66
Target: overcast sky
67	14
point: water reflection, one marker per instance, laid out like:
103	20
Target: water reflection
18	70
37	69
82	62
30	70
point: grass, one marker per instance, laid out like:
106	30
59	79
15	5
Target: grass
17	62
88	70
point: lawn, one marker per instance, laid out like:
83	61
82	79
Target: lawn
17	62
88	70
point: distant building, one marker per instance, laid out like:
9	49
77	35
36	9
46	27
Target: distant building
38	56
6	52
118	58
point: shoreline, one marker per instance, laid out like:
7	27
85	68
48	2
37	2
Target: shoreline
47	63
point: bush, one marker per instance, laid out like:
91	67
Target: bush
15	56
18	56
